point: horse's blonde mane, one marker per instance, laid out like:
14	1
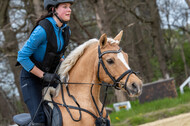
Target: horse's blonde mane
72	58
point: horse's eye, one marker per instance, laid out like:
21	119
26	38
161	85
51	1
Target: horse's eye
110	61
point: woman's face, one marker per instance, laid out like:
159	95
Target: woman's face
64	11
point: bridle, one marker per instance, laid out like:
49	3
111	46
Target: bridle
100	118
115	81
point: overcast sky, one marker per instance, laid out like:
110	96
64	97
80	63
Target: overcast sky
177	10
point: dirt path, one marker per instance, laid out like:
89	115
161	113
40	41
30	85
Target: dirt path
179	120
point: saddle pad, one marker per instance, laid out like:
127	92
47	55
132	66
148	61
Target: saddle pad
22	119
57	116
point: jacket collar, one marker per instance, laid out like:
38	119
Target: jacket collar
55	24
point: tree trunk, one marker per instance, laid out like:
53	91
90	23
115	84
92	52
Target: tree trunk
6	109
187	17
184	59
33	9
10	44
105	27
157	36
10	50
102	17
188	3
142	54
37	8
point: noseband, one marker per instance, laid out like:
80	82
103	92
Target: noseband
115	81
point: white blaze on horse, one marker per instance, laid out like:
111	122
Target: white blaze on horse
93	64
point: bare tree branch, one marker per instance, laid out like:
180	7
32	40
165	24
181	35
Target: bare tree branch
85	30
182	28
133	13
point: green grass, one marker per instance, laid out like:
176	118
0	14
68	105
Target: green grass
139	113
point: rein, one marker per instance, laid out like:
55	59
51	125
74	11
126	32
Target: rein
78	106
115	85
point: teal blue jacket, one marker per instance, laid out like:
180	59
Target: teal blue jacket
36	45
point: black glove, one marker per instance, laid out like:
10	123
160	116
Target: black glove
51	78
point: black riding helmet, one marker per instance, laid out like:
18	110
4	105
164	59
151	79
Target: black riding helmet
55	3
49	3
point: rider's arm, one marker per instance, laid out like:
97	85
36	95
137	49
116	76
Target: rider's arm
36	71
36	38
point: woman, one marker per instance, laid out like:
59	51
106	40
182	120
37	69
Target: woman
41	53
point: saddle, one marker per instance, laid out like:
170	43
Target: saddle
22	119
52	112
51	109
54	116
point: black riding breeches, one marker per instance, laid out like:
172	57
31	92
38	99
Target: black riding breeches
32	93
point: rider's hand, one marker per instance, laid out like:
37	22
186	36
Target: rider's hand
52	78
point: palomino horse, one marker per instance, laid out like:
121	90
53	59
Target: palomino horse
92	64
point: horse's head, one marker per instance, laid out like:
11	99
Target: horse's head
113	66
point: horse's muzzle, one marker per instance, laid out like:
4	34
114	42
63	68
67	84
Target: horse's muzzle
133	89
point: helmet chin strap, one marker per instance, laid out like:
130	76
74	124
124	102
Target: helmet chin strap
61	20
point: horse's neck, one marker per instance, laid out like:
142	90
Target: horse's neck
84	71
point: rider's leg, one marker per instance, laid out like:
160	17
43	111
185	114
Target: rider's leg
32	93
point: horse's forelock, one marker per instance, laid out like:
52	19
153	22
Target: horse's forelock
112	41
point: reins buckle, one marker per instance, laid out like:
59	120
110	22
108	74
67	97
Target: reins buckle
116	86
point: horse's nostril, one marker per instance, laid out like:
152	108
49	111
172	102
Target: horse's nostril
135	87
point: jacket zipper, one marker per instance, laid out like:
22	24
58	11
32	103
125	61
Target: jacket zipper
59	48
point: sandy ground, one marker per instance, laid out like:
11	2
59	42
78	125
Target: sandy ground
179	120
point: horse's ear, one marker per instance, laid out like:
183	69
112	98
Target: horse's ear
119	36
103	40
